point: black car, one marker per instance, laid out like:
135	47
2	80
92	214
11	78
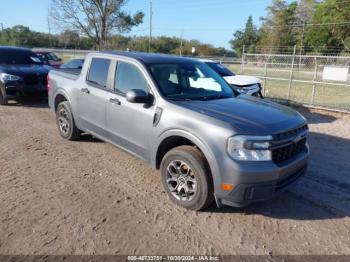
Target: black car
21	72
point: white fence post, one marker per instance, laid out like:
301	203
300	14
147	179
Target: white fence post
265	75
314	83
242	65
291	73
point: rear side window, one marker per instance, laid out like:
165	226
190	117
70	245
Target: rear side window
129	77
98	73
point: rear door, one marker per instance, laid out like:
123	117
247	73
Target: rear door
130	125
92	98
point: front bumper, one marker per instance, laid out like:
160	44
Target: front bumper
245	194
255	182
15	89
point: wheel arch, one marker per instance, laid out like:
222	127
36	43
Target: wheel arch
59	97
175	138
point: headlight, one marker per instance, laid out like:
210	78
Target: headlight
249	148
6	77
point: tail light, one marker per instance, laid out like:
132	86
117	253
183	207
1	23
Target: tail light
48	83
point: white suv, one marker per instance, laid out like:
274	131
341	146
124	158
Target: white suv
249	85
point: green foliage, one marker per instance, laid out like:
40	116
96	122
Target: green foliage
334	36
248	38
166	45
70	39
276	29
317	26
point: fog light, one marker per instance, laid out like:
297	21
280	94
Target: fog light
227	187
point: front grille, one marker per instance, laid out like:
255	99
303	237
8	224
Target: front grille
290	133
35	79
284	147
31	79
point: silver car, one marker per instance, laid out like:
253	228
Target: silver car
208	142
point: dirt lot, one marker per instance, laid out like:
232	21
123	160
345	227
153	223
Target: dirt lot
87	197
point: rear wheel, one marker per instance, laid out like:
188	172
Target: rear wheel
65	122
186	178
3	97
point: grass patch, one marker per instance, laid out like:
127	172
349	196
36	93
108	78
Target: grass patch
326	95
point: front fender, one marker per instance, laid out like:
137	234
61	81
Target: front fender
198	142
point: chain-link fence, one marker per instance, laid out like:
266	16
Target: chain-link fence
289	77
321	81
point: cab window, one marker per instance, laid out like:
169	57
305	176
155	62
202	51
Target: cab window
98	73
129	77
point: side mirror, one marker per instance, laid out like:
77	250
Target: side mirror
60	59
139	96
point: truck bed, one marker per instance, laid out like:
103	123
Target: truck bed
67	73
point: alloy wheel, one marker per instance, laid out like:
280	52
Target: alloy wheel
181	180
63	121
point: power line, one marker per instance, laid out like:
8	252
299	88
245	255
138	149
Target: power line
263	26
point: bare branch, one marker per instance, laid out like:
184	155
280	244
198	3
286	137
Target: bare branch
97	19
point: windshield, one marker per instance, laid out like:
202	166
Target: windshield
220	69
52	57
19	57
48	56
190	81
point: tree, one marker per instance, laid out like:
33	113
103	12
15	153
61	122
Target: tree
278	28
329	31
305	11
97	19
304	14
247	38
69	39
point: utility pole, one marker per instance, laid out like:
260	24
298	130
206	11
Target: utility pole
2	27
181	44
302	43
150	26
49	28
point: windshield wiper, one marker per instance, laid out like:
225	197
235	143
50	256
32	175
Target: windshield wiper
205	98
179	99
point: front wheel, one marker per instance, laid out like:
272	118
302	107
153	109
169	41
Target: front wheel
186	178
65	122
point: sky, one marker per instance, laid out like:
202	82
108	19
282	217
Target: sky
210	21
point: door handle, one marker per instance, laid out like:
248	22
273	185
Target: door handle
85	90
115	101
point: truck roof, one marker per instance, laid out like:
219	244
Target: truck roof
150	58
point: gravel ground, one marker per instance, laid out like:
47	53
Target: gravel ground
87	197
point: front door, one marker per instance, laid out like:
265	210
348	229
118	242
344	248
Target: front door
130	125
93	97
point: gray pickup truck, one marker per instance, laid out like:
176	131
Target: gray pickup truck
209	142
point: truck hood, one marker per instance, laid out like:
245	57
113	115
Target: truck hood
21	70
248	115
241	80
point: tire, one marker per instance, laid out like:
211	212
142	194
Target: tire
3	97
65	122
190	185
